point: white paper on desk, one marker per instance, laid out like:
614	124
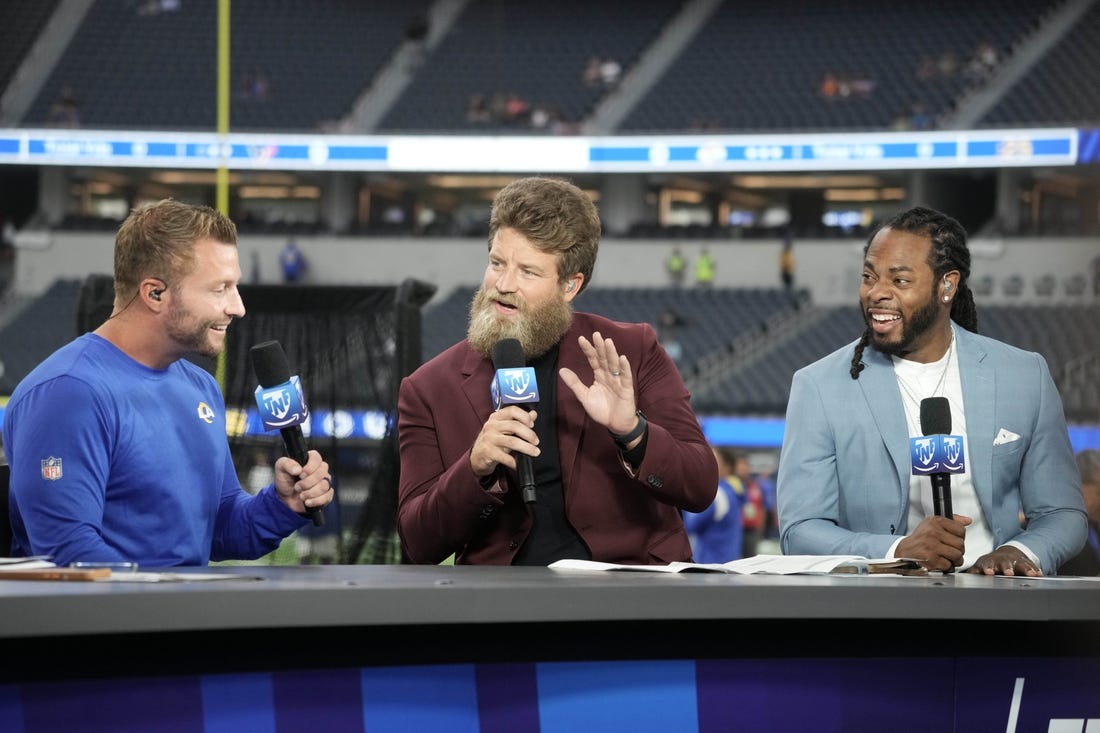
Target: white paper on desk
758	564
35	562
595	565
172	577
792	564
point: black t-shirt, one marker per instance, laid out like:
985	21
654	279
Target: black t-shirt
552	537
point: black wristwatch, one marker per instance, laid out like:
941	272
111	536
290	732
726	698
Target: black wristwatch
624	440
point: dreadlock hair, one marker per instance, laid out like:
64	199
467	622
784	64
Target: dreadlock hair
948	252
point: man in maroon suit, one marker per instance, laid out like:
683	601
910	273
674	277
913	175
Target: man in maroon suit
616	449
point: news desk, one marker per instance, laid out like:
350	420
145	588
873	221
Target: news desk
404	648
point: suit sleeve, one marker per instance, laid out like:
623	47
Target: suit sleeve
439	505
809	489
679	466
1050	487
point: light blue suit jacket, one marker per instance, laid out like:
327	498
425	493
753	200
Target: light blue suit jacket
844	469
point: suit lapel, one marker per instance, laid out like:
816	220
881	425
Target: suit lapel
884	401
979	391
478	373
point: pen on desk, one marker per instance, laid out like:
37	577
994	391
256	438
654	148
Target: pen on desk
115	567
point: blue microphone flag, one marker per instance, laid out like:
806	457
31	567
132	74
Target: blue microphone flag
283	405
937	454
514	386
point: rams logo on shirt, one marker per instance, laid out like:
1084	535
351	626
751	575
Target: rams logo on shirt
205	413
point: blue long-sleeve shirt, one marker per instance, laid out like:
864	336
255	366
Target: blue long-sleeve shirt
716	531
114	461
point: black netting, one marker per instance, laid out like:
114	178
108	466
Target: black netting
349	346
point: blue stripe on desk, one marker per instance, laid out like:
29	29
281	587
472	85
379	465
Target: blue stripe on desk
432	698
232	703
641	697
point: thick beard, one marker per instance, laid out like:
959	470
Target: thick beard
537	329
912	329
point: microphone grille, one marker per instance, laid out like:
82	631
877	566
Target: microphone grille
270	363
935	416
508	354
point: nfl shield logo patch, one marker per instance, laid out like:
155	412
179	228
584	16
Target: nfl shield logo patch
51	468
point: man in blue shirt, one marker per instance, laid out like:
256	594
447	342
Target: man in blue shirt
117	444
716	532
293	262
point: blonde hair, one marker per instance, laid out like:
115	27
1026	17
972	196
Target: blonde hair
158	240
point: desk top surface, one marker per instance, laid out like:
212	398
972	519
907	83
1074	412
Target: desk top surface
394	595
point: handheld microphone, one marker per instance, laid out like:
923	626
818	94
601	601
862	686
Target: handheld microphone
282	405
514	384
939	454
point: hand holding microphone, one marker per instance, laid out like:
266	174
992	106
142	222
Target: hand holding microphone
939	539
508	436
938	542
939	454
283	407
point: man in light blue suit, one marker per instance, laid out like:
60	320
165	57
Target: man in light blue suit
845	483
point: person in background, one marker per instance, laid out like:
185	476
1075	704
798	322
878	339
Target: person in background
293	262
1087	562
616	449
117	443
704	269
676	267
845	484
766	482
754	514
716	531
786	265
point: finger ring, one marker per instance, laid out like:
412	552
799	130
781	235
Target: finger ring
615	374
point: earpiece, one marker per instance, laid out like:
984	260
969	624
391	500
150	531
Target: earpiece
946	285
572	284
155	294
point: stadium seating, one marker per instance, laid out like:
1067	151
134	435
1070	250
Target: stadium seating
294	66
739	73
759	64
761	385
1060	88
537	51
694	324
41	327
444	322
21	26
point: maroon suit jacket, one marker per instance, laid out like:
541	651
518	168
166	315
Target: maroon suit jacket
623	518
